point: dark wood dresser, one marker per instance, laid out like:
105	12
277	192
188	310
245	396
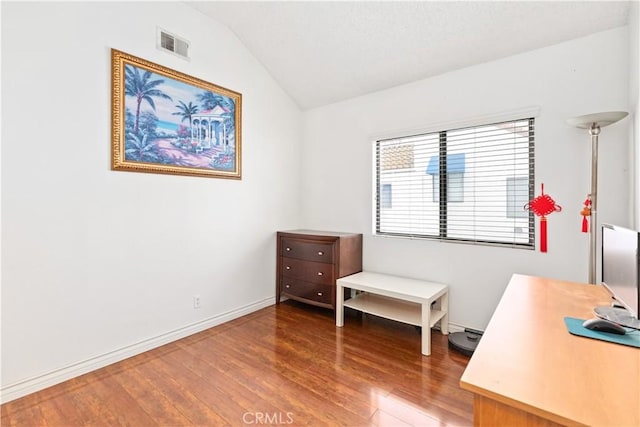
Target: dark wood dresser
309	263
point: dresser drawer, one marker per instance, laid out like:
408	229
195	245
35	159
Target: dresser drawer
312	251
308	291
315	272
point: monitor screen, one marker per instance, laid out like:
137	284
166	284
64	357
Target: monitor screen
620	265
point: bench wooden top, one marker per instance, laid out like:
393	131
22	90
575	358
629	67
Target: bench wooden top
393	286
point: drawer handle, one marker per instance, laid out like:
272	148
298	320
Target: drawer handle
288	249
287	286
319	294
287	268
320	253
319	273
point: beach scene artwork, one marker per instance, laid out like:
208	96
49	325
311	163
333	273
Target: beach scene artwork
173	123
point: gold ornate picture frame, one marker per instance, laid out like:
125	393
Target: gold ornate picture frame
164	121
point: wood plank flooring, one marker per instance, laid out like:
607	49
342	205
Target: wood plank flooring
283	365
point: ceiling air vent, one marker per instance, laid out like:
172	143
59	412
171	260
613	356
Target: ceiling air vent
171	43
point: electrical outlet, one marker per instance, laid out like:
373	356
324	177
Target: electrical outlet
196	301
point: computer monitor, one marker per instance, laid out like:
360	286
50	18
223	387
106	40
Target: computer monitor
621	274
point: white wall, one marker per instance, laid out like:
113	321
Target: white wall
634	102
95	261
574	78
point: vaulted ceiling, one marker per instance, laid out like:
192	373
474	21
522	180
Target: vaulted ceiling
322	52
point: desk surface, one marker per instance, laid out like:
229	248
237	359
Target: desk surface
528	360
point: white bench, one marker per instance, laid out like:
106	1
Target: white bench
397	298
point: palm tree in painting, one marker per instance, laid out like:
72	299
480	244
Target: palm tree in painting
129	119
186	111
142	88
140	149
209	101
149	123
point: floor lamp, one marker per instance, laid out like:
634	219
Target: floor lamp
594	122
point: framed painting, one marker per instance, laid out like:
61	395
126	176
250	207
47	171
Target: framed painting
167	122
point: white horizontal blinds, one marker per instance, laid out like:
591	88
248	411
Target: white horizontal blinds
402	167
466	184
496	156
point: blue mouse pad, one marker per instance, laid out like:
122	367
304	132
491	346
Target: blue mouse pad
631	338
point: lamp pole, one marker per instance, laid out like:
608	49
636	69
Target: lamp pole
594	122
594	131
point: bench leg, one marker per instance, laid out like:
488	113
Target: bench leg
426	329
444	306
339	306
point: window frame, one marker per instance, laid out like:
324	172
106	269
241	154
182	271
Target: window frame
455	187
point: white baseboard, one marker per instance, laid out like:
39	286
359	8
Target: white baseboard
31	385
456	328
453	327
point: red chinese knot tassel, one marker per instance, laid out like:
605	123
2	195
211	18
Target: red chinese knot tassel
542	206
543	234
586	212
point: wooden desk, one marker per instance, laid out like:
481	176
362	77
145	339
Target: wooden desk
528	370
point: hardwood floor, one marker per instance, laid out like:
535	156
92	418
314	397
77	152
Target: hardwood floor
283	365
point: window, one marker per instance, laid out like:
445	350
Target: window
468	185
385	196
455	187
517	196
455	177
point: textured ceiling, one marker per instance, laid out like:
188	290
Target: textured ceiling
323	52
